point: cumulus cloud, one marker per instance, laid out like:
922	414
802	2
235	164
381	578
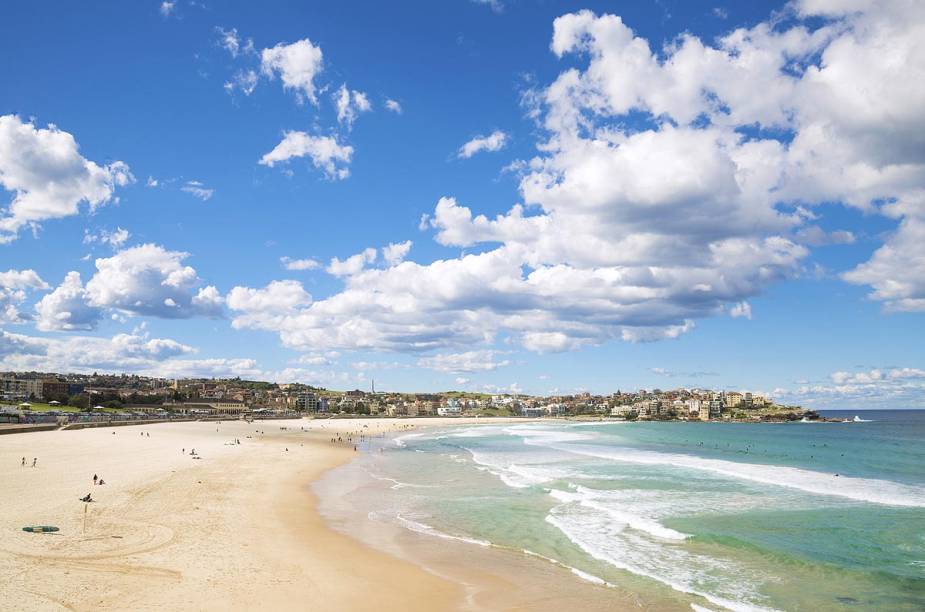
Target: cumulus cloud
46	174
350	103
469	361
888	388
394	106
324	152
395	253
353	264
297	64
67	308
493	142
167	8
145	280
136	352
897	269
669	185
14	284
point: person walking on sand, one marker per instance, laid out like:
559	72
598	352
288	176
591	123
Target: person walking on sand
95	478
23	462
34	460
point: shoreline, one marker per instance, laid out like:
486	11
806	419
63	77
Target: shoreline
493	576
239	528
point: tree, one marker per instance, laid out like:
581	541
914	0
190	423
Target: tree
79	401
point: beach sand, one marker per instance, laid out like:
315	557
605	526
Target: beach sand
234	530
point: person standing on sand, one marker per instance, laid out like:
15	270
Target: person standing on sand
34	460
23	462
95	478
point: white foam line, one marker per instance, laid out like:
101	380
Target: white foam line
601	556
428	530
883	492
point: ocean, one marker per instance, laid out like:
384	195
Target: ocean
789	516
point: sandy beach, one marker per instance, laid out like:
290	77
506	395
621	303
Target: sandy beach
233	529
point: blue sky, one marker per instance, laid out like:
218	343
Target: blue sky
725	195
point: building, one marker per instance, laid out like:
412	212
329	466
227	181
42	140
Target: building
210	407
704	411
693	406
734	399
307	402
12	389
54	389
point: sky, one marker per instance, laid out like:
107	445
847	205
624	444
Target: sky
526	196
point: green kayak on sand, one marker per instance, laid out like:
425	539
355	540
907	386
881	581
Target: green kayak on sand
40	528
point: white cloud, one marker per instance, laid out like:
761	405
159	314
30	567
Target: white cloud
244	81
136	352
634	229
22	279
493	142
394	106
325	153
813	235
152	182
167	8
469	361
349	104
231	42
13	287
145	280
114	238
299	264
48	177
353	264
897	269
462	381
741	309
888	388
297	65
197	189
67	308
395	253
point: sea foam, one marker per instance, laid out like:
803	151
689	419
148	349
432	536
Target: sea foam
883	492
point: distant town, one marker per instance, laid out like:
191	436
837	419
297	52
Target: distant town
36	397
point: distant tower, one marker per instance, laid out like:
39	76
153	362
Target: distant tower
374	386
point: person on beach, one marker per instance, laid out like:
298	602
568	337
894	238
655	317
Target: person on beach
23	462
34	460
95	478
86	498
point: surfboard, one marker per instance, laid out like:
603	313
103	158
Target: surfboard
40	528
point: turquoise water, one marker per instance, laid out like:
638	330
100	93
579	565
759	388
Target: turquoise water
814	516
